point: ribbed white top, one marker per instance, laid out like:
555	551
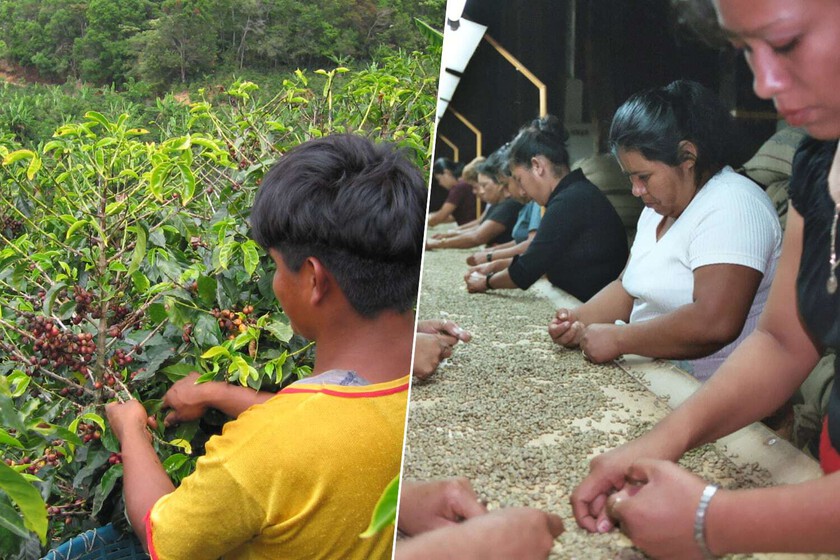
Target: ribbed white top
729	221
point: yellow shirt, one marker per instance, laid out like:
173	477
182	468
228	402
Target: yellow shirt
295	477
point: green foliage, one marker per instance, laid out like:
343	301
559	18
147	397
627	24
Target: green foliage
23	494
126	263
431	34
104	50
385	512
113	41
41	34
31	114
181	41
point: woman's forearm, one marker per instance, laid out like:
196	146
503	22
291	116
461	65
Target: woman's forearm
721	302
479	236
682	334
724	403
511	250
442	214
793	518
507	245
437	218
501	281
611	304
469	225
454	232
460	241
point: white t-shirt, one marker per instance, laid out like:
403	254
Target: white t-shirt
729	221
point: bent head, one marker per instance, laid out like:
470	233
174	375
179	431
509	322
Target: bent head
538	157
517	191
358	208
792	48
470	173
446	179
682	126
446	172
667	189
493	176
491	190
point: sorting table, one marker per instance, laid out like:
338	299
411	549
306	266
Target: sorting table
521	417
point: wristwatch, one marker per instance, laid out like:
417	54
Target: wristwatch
489	256
487	278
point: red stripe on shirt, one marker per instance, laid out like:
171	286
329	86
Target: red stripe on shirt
148	521
334	393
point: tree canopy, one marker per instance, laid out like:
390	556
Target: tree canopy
159	41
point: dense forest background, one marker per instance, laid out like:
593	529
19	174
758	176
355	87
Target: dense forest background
151	58
156	42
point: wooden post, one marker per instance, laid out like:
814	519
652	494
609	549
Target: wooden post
478	140
543	89
456	153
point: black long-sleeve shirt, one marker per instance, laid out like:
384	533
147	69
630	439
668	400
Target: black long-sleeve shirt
580	245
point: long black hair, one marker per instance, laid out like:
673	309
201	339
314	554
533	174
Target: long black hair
445	164
544	136
654	122
497	165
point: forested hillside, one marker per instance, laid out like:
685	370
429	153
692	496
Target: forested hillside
160	41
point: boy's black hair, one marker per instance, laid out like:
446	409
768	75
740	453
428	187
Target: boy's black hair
544	136
655	121
356	206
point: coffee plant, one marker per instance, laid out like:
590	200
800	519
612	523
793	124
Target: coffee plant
126	263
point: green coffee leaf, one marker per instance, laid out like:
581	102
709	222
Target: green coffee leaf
215	351
251	256
106	486
385	512
27	498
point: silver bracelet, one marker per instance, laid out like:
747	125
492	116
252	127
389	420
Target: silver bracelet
700	521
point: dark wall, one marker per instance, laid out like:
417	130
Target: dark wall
622	46
492	94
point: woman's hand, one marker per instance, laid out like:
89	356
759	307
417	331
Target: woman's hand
656	509
521	533
600	343
477	258
565	329
608	474
434	342
425	506
487	268
445	328
429	351
476	282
